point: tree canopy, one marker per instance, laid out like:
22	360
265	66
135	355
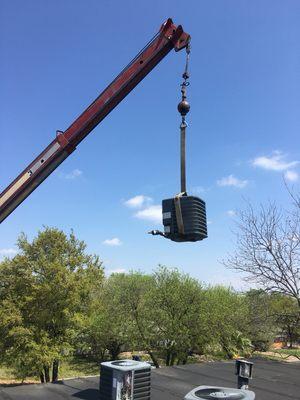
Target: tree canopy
268	248
56	301
43	293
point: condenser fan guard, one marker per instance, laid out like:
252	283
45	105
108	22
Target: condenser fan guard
125	363
218	392
213	394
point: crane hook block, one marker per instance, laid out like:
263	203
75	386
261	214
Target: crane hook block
184	219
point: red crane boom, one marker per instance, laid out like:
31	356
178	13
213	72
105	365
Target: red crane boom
169	36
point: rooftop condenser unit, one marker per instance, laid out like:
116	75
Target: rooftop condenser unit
214	393
125	380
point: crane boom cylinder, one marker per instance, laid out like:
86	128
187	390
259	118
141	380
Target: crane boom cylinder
169	36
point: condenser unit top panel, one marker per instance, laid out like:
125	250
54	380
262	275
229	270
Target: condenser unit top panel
126	365
215	393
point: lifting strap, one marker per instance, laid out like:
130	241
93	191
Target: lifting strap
182	157
178	212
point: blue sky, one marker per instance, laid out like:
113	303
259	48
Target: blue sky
243	136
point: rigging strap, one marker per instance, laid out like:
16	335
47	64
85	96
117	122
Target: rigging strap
178	213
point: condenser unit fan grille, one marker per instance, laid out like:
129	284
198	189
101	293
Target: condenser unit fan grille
125	363
214	394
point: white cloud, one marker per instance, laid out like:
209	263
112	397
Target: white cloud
8	252
275	162
232	181
151	213
138	201
112	242
198	190
76	173
291	176
231	213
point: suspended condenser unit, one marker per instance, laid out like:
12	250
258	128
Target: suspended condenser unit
125	380
184	219
214	392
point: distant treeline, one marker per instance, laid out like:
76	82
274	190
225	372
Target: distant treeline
55	301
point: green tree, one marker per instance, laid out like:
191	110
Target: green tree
163	313
226	320
286	315
178	303
133	294
45	288
109	327
261	326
